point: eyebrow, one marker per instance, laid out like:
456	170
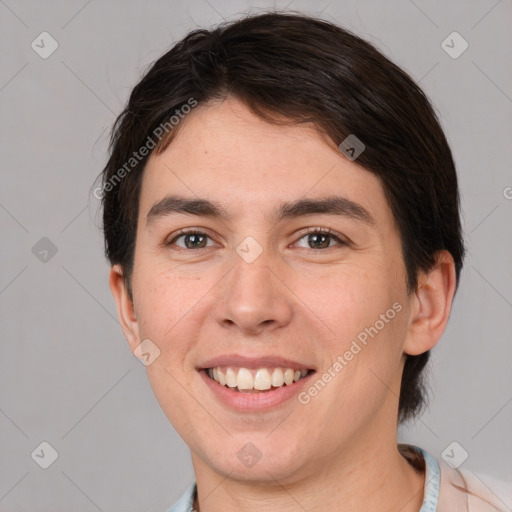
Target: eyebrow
333	205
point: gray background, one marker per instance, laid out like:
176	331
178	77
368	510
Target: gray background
67	376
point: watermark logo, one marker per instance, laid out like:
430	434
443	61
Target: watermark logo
44	250
454	455
454	45
249	455
146	352
44	455
249	249
352	147
44	45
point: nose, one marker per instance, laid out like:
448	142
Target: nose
254	299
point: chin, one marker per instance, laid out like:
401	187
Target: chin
255	461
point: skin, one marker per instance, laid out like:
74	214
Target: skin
293	301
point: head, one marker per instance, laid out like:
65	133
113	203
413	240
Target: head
247	117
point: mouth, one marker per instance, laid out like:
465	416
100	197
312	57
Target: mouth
256	380
254	384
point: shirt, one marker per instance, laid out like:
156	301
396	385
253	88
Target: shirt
445	490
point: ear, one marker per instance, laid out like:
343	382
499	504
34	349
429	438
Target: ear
431	305
125	308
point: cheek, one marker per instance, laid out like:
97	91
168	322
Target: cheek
350	299
367	313
165	307
163	302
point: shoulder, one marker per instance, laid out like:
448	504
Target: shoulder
457	490
465	490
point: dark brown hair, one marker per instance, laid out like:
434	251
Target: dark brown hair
302	70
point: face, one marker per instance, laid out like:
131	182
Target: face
252	287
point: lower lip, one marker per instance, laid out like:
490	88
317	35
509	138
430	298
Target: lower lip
251	402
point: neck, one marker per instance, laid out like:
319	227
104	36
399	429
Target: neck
361	478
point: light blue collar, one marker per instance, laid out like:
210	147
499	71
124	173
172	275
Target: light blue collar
431	489
186	502
432	481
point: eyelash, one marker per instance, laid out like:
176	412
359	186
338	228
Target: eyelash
320	231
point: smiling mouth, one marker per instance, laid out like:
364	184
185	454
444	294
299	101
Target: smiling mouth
258	380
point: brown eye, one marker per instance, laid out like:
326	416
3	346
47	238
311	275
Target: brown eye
191	240
321	239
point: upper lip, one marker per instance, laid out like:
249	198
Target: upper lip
239	361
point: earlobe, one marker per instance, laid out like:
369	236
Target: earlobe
432	304
125	307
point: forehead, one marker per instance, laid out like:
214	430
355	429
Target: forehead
226	153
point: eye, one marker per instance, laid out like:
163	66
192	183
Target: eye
320	238
191	239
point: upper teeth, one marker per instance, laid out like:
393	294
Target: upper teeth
260	379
